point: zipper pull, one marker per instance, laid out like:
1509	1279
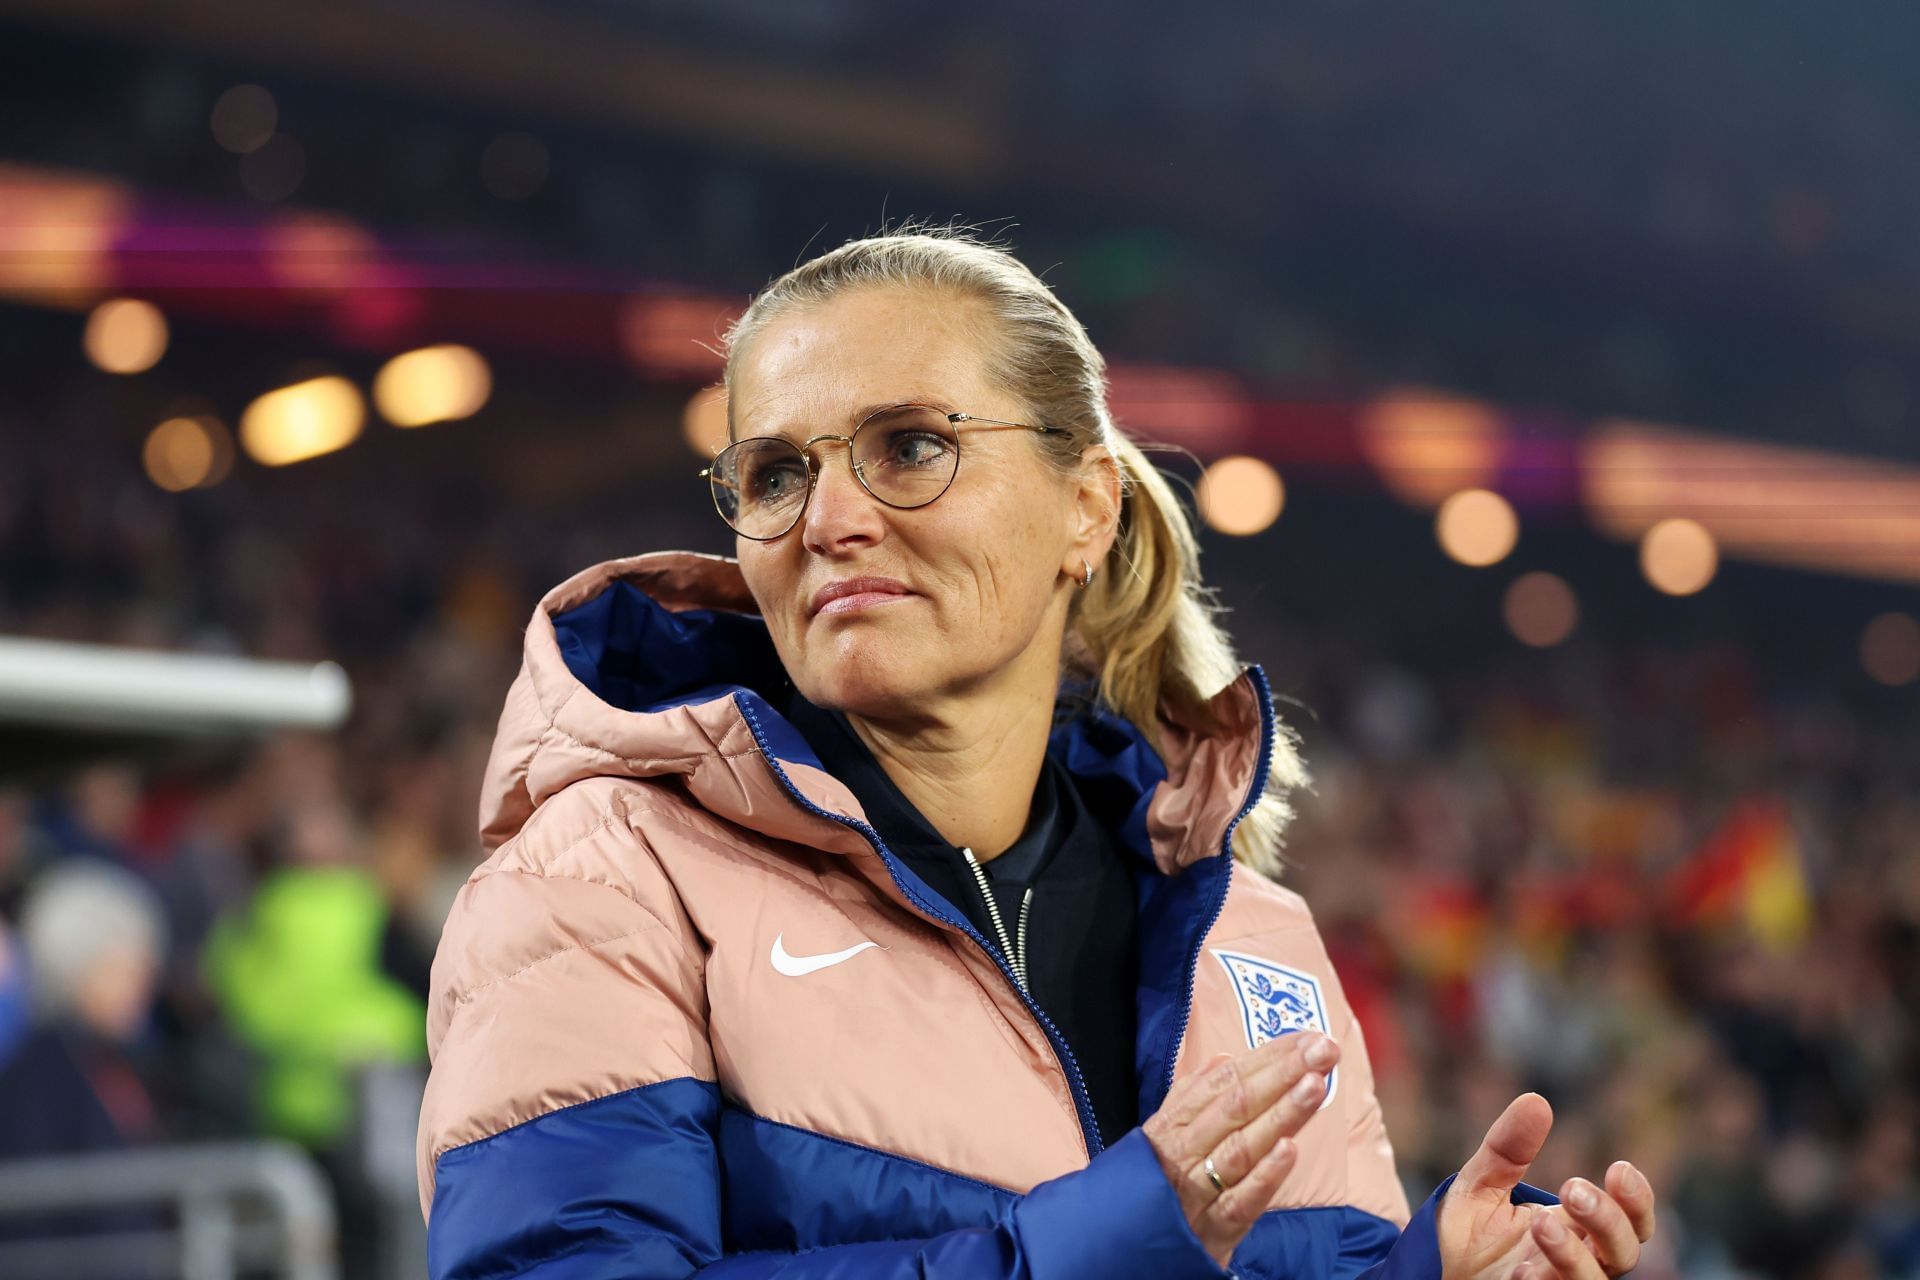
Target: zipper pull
1020	939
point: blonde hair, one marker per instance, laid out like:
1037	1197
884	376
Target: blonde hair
1146	630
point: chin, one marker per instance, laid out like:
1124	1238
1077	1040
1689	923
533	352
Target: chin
870	694
864	676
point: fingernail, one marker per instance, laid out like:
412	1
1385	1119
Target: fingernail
1320	1053
1581	1197
1633	1182
1310	1087
1551	1230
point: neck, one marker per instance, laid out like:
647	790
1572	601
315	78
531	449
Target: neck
970	771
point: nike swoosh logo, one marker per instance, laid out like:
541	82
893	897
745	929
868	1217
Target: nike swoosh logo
797	966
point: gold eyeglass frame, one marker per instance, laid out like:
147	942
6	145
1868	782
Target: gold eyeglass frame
805	450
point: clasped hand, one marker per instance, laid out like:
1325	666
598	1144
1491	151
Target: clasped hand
1225	1139
1592	1233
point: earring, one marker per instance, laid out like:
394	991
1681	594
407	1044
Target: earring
1086	581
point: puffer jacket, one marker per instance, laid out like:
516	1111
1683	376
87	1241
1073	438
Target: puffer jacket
691	1017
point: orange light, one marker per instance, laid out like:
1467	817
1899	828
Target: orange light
433	384
1890	649
186	453
58	234
1477	527
1199	409
704	424
302	421
1427	445
126	335
321	252
679	335
1803	507
1540	609
1240	496
1679	556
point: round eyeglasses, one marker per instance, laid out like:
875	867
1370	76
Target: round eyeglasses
905	455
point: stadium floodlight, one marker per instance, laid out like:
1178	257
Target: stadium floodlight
104	688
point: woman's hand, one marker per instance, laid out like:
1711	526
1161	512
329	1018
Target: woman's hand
1242	1112
1591	1234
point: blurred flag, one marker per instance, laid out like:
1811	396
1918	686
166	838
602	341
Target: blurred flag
1748	872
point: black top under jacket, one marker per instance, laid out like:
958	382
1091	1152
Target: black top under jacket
1082	958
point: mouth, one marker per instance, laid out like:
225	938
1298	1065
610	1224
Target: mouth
852	595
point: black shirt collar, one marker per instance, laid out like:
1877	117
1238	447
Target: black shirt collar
901	825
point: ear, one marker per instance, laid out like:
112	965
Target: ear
1094	521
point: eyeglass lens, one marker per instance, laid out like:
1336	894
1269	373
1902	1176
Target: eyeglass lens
904	456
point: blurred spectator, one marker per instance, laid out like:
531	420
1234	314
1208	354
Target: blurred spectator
298	976
93	936
16	1003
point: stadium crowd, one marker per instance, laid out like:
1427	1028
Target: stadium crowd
1679	900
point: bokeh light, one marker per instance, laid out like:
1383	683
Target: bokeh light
1890	649
125	335
187	453
1679	556
1427	445
302	421
433	384
1240	496
676	335
1540	609
704	423
61	233
1200	409
244	118
322	252
1477	527
1812	508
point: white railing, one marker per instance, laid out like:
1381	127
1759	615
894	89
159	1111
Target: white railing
242	1207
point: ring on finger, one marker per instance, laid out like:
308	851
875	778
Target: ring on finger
1213	1176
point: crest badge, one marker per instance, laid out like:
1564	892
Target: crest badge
1275	1001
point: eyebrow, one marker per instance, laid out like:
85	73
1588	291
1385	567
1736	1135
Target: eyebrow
859	415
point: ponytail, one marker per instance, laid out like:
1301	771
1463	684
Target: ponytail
1149	635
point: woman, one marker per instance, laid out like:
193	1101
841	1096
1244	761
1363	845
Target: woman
92	935
868	906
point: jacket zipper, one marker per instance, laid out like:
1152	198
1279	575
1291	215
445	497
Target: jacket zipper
1018	953
1089	1129
1219	902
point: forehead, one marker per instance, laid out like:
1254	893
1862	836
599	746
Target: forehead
824	364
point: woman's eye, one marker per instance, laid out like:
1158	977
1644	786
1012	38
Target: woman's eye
772	484
916	449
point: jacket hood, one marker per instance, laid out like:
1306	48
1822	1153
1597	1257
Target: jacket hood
658	666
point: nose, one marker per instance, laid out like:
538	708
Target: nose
841	514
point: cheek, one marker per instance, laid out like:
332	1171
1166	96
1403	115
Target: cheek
1007	556
770	580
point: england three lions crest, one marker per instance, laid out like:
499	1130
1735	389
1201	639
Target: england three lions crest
1276	1000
